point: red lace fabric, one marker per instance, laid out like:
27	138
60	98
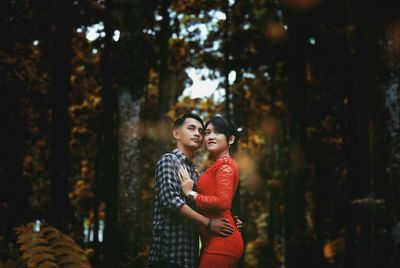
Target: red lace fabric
217	195
216	188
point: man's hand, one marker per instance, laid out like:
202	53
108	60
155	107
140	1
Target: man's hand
221	227
239	223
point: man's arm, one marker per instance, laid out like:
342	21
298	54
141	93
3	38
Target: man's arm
219	226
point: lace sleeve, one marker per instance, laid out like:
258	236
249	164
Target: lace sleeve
222	199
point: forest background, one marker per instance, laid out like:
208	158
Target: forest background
89	90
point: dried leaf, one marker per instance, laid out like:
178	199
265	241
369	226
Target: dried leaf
76	265
39	258
60	243
35	251
71	259
28	236
47	230
48	264
66	252
31	243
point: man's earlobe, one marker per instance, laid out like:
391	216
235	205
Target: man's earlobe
175	133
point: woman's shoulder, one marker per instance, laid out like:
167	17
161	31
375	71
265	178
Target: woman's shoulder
226	161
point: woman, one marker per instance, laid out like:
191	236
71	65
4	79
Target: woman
216	188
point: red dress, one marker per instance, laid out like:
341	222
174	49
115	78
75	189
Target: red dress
216	188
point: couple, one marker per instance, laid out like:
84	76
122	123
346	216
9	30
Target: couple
178	189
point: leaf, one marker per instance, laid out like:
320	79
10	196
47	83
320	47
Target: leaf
63	253
38	258
46	230
69	260
36	250
31	243
29	236
75	265
48	264
60	243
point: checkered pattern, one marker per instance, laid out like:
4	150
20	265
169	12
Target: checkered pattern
175	239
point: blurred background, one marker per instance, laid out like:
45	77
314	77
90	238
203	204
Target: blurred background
89	90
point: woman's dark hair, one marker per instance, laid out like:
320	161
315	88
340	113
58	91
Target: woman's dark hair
225	127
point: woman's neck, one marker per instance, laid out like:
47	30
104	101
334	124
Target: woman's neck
215	157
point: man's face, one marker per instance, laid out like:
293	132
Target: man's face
190	134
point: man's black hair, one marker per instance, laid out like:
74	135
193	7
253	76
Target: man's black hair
181	120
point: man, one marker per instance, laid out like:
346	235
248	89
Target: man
175	223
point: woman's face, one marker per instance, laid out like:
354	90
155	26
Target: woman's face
215	141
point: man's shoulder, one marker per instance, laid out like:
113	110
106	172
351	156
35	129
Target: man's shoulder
167	158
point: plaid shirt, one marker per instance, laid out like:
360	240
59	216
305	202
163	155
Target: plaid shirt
175	238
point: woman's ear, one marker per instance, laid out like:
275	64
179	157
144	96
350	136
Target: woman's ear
231	139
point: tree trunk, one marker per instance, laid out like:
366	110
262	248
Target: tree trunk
391	162
165	88
384	127
295	187
227	66
14	191
122	224
165	34
129	179
107	167
61	214
361	232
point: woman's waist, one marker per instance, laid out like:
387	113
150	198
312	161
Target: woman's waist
218	214
226	215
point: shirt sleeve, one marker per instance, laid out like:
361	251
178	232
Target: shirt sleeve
167	185
222	199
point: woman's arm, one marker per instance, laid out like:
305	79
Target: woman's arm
187	186
222	199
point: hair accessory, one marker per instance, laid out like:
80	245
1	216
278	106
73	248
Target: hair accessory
239	129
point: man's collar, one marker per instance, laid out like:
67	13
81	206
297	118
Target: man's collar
181	156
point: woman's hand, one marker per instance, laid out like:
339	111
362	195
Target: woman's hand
186	181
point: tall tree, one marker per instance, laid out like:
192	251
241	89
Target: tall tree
389	187
61	213
165	35
13	189
123	237
295	188
373	68
227	58
107	167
